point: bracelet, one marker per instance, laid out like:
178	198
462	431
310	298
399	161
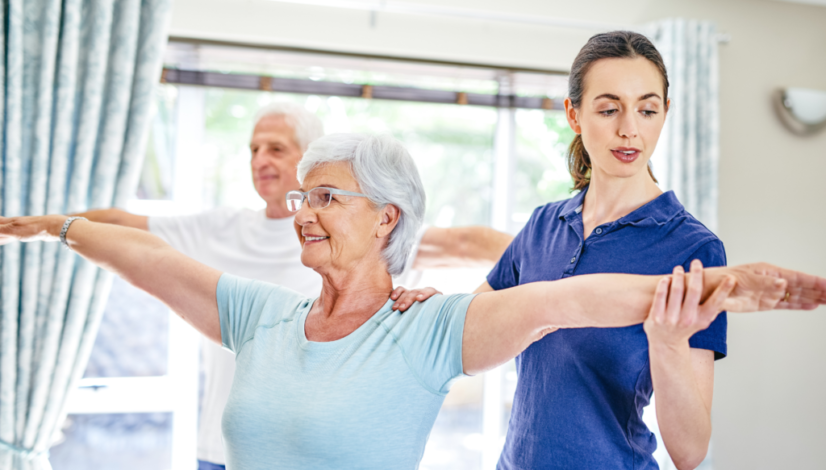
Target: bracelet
66	229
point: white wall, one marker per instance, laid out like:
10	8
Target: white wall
769	409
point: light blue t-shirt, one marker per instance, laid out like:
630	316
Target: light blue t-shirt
366	401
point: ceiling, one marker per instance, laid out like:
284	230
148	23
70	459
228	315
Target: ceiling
806	2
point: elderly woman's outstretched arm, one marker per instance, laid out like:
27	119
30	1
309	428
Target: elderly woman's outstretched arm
142	259
501	324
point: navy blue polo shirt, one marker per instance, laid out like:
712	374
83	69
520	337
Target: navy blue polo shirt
581	392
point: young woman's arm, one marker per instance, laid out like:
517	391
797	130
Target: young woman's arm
683	377
501	324
142	259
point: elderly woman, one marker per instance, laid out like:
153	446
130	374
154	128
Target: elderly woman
343	380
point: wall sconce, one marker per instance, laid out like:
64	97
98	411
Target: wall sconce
802	110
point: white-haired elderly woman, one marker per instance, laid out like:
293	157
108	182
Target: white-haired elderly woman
345	381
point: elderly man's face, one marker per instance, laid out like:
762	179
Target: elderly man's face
275	155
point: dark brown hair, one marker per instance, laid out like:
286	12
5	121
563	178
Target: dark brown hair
616	44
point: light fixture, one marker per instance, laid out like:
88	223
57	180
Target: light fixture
802	110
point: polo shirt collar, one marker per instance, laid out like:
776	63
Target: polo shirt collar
573	206
660	210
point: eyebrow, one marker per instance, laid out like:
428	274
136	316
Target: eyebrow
331	186
609	96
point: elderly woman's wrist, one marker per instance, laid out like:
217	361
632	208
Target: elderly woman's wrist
712	277
53	224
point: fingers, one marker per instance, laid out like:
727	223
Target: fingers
695	291
397	292
805	290
714	304
675	297
657	312
406	298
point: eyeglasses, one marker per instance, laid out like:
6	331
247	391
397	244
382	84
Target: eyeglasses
319	197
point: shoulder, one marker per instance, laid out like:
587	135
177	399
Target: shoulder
694	234
278	301
548	215
429	312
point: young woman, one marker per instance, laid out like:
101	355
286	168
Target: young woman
580	394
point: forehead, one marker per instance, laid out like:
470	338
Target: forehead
272	128
623	77
336	174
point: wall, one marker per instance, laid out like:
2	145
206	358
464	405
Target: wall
769	396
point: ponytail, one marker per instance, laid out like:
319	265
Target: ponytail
579	163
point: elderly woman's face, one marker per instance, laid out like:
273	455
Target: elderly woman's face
348	232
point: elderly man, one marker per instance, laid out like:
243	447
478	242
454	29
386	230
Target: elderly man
262	245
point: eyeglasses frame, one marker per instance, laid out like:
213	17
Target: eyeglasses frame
332	191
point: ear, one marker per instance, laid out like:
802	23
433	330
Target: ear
572	114
389	219
667	105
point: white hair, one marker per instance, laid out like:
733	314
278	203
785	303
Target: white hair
386	173
306	125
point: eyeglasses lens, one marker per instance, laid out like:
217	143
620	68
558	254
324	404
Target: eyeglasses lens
319	198
294	200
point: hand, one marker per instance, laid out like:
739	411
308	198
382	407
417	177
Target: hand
679	320
30	229
405	298
762	286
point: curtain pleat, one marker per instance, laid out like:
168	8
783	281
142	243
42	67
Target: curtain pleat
78	77
687	157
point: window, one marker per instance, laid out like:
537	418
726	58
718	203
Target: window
485	164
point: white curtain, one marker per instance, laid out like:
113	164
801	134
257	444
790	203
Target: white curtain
686	159
77	80
687	156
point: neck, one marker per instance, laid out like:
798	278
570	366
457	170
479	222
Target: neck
361	291
610	198
277	210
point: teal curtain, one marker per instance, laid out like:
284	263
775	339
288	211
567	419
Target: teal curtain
77	78
688	154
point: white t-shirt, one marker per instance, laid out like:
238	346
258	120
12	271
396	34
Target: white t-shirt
245	243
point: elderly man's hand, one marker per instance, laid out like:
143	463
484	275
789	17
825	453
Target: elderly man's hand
405	298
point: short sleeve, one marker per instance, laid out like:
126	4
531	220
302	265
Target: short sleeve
431	339
187	233
505	273
244	304
712	254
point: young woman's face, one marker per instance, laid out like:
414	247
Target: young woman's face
621	115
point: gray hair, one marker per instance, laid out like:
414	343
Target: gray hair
306	125
386	173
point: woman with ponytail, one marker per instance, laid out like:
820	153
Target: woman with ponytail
581	393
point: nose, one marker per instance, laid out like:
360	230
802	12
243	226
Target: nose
258	160
628	125
305	215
